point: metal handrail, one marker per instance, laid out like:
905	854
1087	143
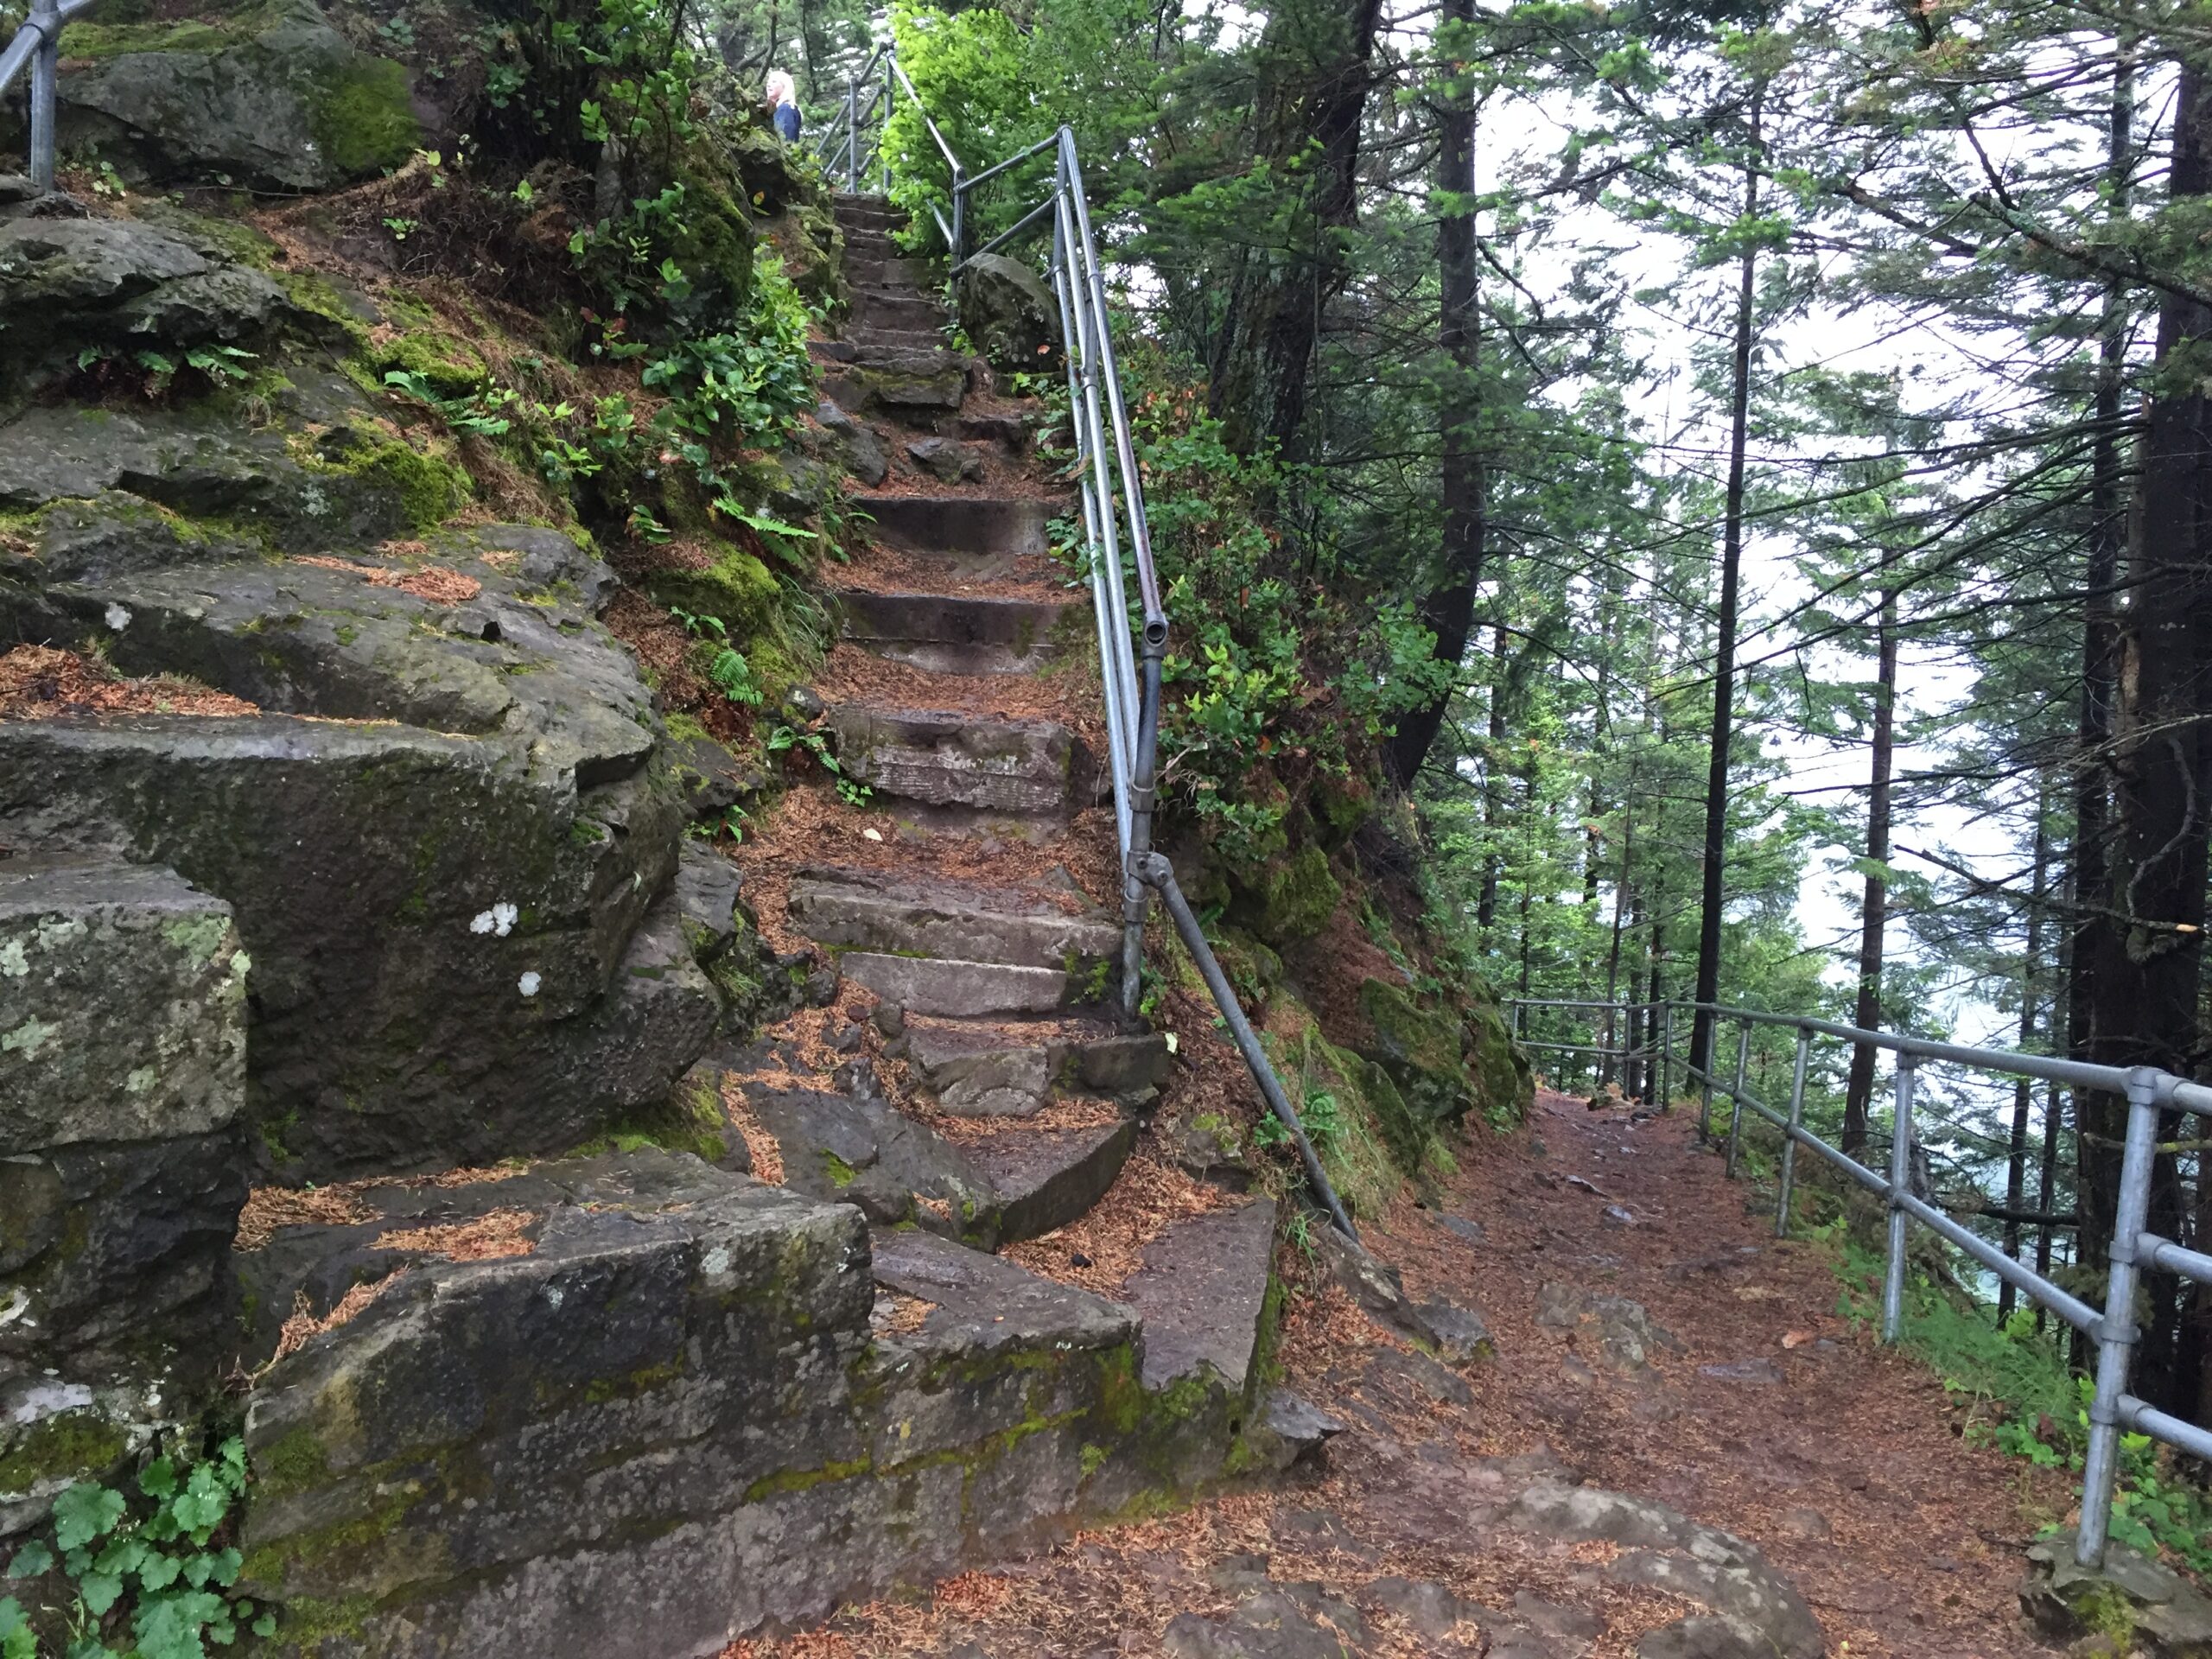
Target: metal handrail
37	43
2132	1248
1111	490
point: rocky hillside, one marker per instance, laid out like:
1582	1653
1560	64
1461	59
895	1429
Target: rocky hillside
554	913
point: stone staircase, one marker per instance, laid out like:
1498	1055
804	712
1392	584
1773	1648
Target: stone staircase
526	1377
959	695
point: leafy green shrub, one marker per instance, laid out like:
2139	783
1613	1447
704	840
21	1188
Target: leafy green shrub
141	1572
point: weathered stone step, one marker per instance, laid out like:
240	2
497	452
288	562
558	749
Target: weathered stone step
872	337
1202	1294
845	1143
962	990
922	916
922	357
882	309
948	634
1042	1179
783	1411
964	526
1012	1069
1021	768
912	275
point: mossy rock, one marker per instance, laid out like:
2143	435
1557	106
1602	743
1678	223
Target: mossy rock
268	97
1420	1050
448	364
736	588
1505	1086
1296	897
1254	969
429	488
1340	807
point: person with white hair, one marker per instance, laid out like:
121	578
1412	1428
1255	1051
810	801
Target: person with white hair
783	101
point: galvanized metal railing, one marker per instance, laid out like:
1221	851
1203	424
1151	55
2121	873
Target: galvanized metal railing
37	45
1117	538
2131	1248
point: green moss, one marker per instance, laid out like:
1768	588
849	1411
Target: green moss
1296	896
78	1444
799	1480
448	363
93	41
736	589
1092	1458
841	1174
363	116
429	488
297	1463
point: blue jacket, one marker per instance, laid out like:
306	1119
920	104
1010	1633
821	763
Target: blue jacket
786	119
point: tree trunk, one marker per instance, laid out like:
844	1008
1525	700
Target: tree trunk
2015	1161
1448	610
1714	893
2146	994
1314	58
2095	730
1874	907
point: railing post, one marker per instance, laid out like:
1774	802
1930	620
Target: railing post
1666	1057
853	134
1789	1138
44	89
1704	1075
1900	1178
2116	1331
1735	1095
889	105
959	215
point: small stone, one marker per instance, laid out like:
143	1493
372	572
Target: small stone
1615	1216
822	987
1425	1377
1743	1371
889	1018
805	702
846	1041
1808	1524
1460	1227
1078	1259
946	460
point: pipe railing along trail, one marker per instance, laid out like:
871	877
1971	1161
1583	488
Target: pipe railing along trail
2130	1249
37	45
1116	535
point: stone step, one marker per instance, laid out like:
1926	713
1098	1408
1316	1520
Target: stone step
911	275
962	990
869	337
923	354
870	242
922	916
1202	1292
1042	1179
845	1143
785	1410
1013	1068
880	307
964	526
1021	768
951	634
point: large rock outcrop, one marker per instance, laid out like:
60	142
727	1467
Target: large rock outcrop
123	1025
664	1404
445	840
267	96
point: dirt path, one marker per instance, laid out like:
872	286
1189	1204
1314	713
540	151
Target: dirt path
1837	1457
1837	1460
